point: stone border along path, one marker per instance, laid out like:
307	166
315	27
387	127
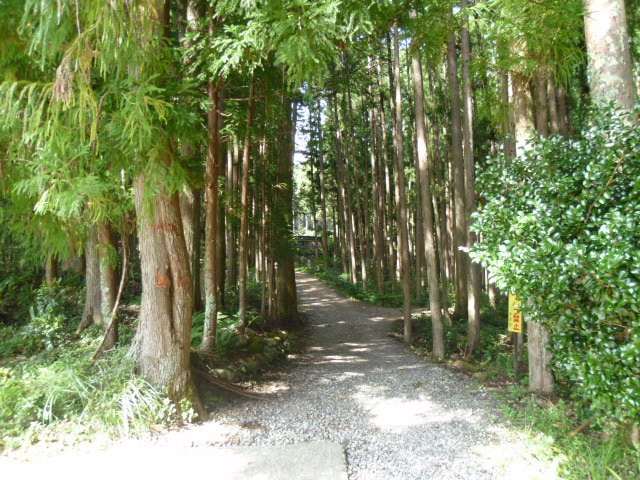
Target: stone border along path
396	415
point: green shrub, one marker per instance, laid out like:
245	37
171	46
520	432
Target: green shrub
561	227
69	389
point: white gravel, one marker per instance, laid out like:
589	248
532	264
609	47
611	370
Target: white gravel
396	415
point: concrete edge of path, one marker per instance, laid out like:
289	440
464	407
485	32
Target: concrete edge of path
302	461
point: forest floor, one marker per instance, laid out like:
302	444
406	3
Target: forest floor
396	415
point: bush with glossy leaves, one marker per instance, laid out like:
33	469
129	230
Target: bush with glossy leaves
561	226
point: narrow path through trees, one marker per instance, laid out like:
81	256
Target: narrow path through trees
396	415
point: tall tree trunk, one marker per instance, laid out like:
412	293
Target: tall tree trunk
196	269
163	338
610	66
378	207
474	282
323	193
389	184
541	103
244	216
460	232
554	120
50	268
287	307
426	204
212	299
401	198
92	311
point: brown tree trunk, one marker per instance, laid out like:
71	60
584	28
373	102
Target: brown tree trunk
211	292
287	306
610	66
92	311
163	338
554	121
50	268
424	176
541	103
540	377
107	250
401	199
323	193
474	282
460	232
244	216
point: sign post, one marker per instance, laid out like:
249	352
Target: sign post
515	326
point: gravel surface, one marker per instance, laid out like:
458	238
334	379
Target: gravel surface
396	415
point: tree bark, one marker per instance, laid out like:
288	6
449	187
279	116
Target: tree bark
107	249
92	312
286	307
426	204
474	281
541	103
50	269
401	198
211	297
244	216
162	343
460	231
610	66
540	377
323	193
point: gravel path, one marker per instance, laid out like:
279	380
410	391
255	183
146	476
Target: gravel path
397	416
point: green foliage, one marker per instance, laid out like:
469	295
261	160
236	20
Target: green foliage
67	390
551	431
560	227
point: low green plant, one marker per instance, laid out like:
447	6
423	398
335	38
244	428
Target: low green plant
599	453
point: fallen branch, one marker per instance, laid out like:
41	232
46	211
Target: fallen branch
582	427
229	387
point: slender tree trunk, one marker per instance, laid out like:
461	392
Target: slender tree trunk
107	250
460	232
212	300
610	65
377	203
427	209
474	282
401	196
244	218
50	268
541	103
554	121
196	269
323	193
92	312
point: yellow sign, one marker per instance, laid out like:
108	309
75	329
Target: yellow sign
515	315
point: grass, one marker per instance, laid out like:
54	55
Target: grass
62	393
